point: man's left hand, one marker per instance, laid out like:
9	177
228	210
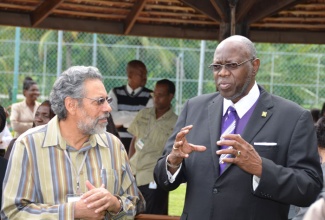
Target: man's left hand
100	199
244	154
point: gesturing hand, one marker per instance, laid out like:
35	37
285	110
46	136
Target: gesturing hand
181	148
245	155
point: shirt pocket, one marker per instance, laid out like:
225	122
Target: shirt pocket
267	149
109	178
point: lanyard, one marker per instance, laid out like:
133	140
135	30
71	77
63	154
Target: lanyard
74	169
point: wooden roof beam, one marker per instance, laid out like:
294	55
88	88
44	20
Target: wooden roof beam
43	11
243	8
133	15
268	8
204	7
222	8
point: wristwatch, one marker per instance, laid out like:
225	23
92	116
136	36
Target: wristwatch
121	206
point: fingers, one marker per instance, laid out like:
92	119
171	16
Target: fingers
181	148
97	198
244	154
188	127
100	200
182	133
82	211
89	185
199	148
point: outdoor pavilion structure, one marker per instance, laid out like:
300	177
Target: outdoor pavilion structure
273	21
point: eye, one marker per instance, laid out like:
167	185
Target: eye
109	99
231	65
216	67
101	101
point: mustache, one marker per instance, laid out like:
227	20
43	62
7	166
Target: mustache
104	116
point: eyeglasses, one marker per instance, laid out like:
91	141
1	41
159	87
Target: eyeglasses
229	66
42	116
153	95
101	100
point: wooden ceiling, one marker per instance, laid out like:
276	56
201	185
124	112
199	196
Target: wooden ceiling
279	21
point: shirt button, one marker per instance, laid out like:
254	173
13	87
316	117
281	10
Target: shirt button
215	190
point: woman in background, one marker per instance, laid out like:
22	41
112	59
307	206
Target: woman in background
43	115
22	113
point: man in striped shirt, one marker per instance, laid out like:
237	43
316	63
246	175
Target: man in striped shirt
129	99
71	168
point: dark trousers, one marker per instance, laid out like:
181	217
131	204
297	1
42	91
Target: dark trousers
2	152
156	200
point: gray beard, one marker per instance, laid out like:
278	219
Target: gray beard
90	129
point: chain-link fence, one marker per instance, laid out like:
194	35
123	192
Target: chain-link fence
292	71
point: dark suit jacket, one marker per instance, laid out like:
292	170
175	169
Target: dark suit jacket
291	169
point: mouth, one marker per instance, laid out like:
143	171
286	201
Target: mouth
224	85
103	120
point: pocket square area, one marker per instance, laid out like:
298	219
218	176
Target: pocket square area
265	143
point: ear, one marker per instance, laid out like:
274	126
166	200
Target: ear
171	96
256	66
71	105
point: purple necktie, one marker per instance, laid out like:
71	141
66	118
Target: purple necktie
228	127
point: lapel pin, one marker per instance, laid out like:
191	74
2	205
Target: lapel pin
264	114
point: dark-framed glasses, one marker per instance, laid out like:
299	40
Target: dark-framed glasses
229	66
155	95
101	100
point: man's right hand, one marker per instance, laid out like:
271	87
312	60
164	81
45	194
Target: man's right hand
181	148
82	211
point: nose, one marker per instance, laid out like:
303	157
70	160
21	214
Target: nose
37	93
38	121
223	72
107	107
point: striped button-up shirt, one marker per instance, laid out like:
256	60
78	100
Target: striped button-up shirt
40	175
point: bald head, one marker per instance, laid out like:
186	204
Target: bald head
244	41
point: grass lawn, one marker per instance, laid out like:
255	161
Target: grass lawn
176	201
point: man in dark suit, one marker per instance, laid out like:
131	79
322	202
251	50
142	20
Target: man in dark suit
273	160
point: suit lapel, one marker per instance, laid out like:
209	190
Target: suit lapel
261	114
214	116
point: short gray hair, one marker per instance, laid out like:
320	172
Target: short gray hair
71	84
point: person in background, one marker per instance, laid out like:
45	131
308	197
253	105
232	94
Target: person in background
316	212
151	129
322	111
3	162
129	99
5	136
71	168
315	113
43	115
111	127
22	113
244	153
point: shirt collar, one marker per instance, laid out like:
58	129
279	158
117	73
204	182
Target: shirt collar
167	114
244	104
53	136
129	89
